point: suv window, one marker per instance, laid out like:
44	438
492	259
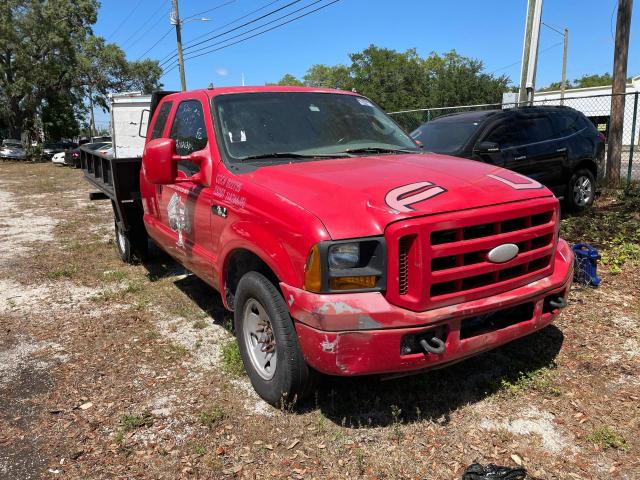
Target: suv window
566	123
536	129
161	120
506	134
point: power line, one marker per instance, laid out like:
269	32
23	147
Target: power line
139	32
257	34
238	27
210	10
225	25
519	61
157	42
257	28
125	19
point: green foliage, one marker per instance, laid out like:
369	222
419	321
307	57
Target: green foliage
50	59
614	229
231	359
398	80
606	438
131	422
585	81
211	416
541	380
288	80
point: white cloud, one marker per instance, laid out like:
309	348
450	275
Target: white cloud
223	72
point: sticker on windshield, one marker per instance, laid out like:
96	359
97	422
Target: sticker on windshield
364	101
314	108
402	198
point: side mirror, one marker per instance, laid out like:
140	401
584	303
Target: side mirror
159	162
487	147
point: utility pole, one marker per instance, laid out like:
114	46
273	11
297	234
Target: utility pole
175	20
564	65
530	52
616	121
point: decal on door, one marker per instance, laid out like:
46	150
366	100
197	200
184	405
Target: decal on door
402	198
178	218
521	182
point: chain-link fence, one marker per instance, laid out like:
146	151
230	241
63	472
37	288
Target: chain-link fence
595	107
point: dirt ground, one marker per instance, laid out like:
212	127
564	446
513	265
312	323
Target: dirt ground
115	371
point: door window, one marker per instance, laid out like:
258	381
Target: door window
190	133
536	129
161	120
506	135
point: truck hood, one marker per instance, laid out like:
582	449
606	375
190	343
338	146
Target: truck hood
360	196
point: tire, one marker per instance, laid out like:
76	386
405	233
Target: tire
132	245
581	191
286	382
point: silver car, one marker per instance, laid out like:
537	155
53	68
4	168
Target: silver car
12	150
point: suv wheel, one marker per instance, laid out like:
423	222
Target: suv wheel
268	342
581	191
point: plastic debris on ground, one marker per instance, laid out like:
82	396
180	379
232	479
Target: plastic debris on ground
586	264
476	471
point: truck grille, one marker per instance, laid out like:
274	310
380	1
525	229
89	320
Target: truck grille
442	261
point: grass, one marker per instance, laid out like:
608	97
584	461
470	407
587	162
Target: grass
68	271
541	380
606	438
175	352
131	422
231	359
199	324
211	416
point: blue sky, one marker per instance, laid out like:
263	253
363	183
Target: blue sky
490	30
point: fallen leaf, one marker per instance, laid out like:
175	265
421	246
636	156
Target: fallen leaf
516	459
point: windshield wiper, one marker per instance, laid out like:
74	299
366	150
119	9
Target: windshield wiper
378	150
291	155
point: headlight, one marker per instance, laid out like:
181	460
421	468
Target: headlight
348	265
345	255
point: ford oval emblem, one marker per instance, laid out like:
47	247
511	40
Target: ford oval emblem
503	253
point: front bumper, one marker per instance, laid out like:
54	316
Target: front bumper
361	333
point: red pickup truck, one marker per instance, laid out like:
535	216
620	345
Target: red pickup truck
340	246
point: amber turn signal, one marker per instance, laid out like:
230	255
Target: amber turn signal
352	283
312	271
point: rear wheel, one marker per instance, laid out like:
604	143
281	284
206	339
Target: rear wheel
581	191
132	244
268	342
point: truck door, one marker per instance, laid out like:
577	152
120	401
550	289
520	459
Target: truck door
185	206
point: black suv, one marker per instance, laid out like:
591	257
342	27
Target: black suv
557	146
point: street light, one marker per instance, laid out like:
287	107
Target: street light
174	18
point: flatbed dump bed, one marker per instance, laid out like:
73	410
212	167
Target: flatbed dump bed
118	180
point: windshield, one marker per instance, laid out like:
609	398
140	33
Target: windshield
307	124
445	137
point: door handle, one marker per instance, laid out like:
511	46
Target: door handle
561	150
521	157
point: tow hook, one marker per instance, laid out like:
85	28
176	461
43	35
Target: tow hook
559	302
429	347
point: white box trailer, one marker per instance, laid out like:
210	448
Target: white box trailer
129	121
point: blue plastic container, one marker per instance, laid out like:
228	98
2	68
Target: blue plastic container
586	268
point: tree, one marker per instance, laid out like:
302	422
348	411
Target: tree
49	56
288	80
38	49
403	80
323	76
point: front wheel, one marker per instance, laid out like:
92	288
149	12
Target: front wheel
581	191
268	342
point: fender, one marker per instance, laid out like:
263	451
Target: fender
258	240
